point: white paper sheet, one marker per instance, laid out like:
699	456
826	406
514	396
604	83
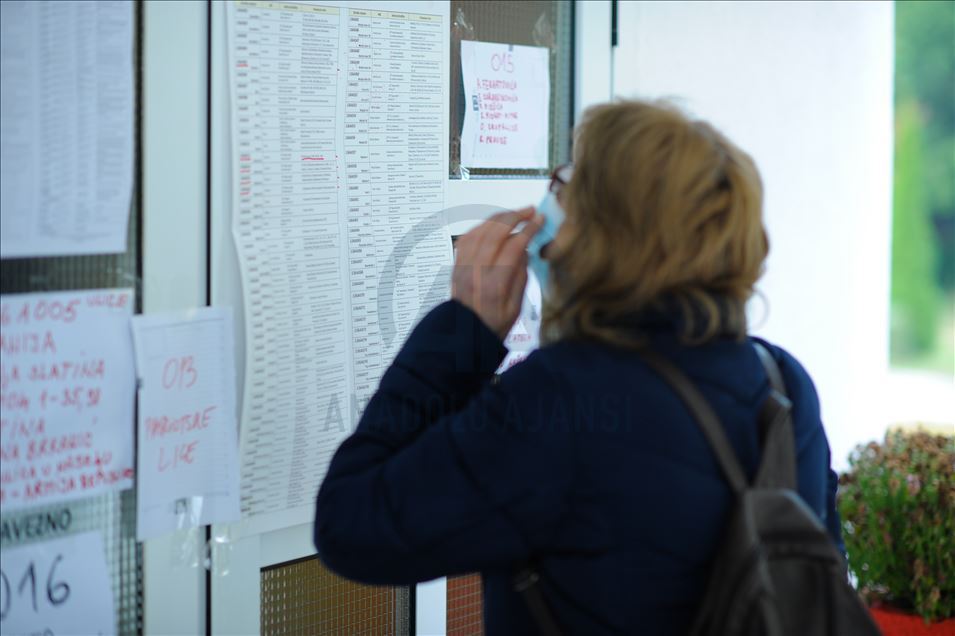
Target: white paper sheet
188	434
339	137
66	127
507	105
524	336
58	587
66	396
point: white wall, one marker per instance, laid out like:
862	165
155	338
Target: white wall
174	257
806	88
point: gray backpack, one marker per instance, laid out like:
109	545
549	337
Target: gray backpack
777	571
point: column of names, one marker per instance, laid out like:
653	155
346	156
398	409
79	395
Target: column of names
288	234
339	173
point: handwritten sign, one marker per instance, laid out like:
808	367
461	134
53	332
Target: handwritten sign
57	587
188	435
66	396
30	526
507	105
524	336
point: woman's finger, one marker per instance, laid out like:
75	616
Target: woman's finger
510	218
515	294
467	244
516	245
490	269
495	231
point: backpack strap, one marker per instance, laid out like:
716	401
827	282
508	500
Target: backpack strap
770	366
527	584
704	415
777	467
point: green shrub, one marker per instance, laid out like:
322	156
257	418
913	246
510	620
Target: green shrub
915	295
898	514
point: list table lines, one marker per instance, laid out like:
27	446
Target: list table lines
338	135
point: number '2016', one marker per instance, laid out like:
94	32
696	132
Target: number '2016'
57	593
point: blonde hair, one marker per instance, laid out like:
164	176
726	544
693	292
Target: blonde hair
663	211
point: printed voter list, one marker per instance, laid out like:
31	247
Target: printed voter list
67	127
188	468
339	165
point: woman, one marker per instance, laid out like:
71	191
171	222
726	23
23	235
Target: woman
580	459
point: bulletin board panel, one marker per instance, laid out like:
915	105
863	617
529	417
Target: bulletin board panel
263	550
255	554
113	514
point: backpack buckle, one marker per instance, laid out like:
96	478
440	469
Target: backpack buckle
525	579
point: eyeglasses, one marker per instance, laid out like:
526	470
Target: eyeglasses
560	177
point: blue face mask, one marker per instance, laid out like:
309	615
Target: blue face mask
553	218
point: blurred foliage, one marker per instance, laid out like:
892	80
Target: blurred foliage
923	219
897	504
915	290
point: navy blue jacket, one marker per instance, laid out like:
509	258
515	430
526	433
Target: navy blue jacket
579	458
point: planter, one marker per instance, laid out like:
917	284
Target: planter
895	623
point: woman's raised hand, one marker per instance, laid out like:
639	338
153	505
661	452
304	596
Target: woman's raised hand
490	269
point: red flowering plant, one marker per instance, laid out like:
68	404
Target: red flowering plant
897	504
